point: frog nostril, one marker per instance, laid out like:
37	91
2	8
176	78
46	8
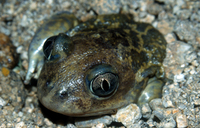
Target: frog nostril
63	94
48	83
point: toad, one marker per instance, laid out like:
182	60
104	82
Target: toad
98	66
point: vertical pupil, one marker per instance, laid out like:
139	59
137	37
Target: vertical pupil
105	85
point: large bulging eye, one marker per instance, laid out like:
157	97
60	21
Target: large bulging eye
48	47
102	81
104	85
57	46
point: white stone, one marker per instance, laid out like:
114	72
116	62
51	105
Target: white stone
179	78
128	115
20	125
182	121
2	102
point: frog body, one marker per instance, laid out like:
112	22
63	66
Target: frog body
100	65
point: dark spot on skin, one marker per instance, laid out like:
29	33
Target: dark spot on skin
152	39
125	43
117	33
135	43
138	59
147	39
148	47
155	34
134	39
99	40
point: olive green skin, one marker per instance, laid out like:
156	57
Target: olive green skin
134	50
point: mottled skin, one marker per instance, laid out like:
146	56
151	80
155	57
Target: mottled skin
132	52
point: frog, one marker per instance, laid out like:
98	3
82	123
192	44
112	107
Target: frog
96	67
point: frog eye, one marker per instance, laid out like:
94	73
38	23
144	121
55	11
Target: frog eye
104	85
57	46
48	47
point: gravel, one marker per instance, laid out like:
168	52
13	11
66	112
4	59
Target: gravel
177	20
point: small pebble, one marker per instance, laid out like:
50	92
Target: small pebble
195	63
47	122
8	55
71	126
182	121
179	78
174	111
13	86
146	111
128	115
20	125
190	57
2	102
176	59
20	114
66	5
184	14
170	37
167	102
185	30
154	9
33	6
150	122
100	125
165	27
102	7
156	103
197	101
89	122
159	113
149	18
168	123
136	124
5	71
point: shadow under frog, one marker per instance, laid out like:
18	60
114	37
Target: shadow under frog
98	66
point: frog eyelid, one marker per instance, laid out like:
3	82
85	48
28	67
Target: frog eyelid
48	47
